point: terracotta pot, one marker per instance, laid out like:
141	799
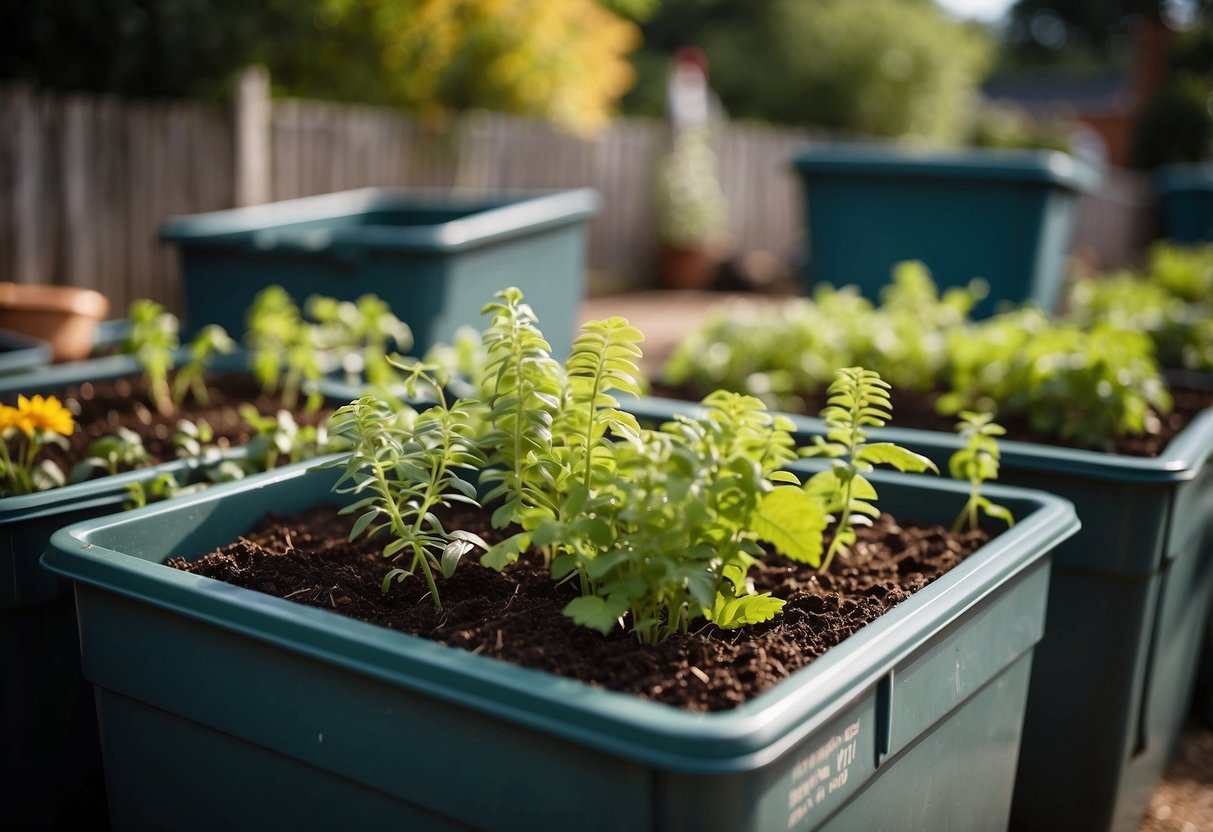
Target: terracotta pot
64	316
684	268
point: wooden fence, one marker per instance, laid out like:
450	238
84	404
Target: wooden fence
86	180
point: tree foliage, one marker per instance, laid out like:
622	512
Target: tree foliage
560	59
882	67
564	60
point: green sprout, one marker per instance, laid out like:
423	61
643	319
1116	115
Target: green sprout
858	399
977	462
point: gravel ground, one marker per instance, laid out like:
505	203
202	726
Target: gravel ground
1184	800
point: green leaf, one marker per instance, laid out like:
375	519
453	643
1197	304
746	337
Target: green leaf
886	453
362	522
506	552
595	612
451	556
793	522
731	613
996	511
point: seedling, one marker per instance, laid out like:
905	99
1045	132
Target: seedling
361	334
24	431
285	350
858	399
152	339
120	451
409	465
977	462
280	439
211	341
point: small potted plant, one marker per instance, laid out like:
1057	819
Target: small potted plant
634	545
692	212
1092	421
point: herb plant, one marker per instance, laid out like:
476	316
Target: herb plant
154	338
978	462
1083	384
110	454
211	341
655	528
408	465
360	334
858	399
284	350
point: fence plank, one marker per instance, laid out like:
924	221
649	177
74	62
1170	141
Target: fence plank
86	180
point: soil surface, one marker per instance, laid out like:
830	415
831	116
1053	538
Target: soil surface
917	410
101	407
516	615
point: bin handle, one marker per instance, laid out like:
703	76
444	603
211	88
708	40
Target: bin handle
884	718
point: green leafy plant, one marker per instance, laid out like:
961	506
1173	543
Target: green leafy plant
152	339
284	350
211	341
120	451
786	355
859	399
978	462
408	464
1087	385
1171	301
360	334
279	440
658	527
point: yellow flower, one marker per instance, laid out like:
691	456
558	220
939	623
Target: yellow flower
45	414
10	417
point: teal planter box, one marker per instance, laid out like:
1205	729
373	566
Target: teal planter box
1005	216
48	730
435	257
1186	192
208	694
1113	676
21	353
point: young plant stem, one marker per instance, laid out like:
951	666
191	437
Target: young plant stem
844	519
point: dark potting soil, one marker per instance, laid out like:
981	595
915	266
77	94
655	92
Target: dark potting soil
917	410
101	407
516	615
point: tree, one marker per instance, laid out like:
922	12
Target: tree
883	67
560	59
564	60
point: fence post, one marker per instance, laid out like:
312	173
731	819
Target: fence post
251	125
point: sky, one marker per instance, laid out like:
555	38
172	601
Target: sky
988	11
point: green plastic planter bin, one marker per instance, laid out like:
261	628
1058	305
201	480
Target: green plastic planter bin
1005	216
1186	192
223	706
48	731
1113	676
435	257
51	772
21	353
